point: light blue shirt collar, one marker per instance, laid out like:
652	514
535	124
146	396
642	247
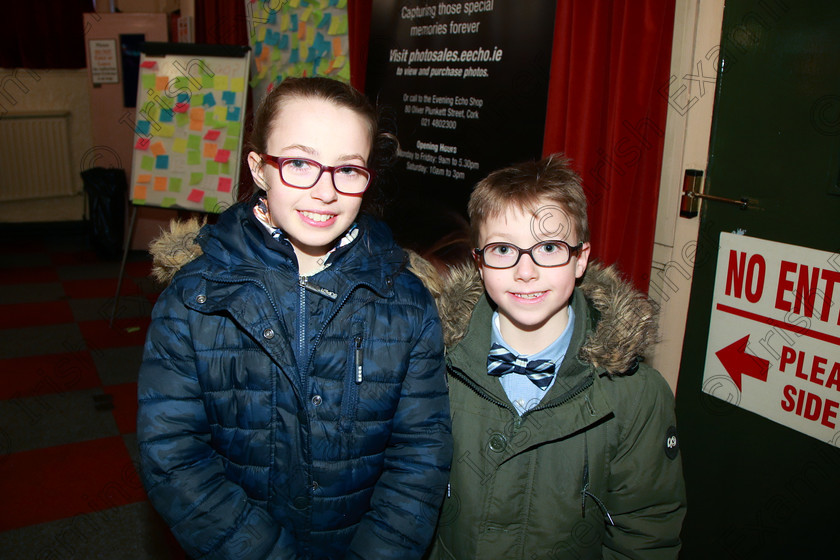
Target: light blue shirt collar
521	392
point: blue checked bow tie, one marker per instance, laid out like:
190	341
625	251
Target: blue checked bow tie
500	361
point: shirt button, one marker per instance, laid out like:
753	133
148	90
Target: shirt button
317	400
268	334
201	298
497	443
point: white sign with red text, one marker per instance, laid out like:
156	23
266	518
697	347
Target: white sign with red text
774	334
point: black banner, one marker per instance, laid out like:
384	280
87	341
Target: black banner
467	82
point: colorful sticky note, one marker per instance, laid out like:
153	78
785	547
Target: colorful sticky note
220	81
222	156
237	84
212	168
231	144
142	144
193	157
338	26
161	82
197	114
194	142
220	113
181	107
168	201
148	81
197	99
224	184
148	64
181	83
166	115
167	130
229	97
195	178
179	145
162	162
196	194
211	204
197	125
139	193
210	150
211	135
209	100
234	128
183	97
144	178
175	184
182	120
147	163
160	183
158	149
224	168
142	128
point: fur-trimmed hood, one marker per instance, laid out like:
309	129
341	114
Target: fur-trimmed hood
175	248
626	319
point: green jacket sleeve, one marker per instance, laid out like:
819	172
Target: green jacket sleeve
646	495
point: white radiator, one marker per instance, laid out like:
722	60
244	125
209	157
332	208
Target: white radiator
35	156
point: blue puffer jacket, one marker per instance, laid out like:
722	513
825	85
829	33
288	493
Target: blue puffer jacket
286	417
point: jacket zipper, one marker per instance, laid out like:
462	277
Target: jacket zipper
301	317
334	313
584	385
358	360
463	378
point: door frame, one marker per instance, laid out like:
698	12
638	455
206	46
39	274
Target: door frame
690	93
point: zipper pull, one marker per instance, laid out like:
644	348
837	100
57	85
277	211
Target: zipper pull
358	361
315	289
448	490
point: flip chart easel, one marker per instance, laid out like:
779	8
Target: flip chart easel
188	130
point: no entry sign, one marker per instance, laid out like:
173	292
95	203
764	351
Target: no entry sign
774	335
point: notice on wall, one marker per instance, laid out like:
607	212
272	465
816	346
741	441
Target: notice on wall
774	336
467	82
104	68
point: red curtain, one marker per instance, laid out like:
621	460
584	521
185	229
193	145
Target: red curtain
221	22
610	59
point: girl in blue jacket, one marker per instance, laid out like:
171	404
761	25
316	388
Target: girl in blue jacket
292	398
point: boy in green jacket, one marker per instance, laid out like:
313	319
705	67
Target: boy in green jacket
565	442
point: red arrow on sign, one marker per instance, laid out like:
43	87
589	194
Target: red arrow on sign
737	362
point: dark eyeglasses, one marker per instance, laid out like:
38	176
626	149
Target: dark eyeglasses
547	254
303	173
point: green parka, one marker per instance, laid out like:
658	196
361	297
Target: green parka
594	470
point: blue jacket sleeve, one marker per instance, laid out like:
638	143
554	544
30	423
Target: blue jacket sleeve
184	477
407	498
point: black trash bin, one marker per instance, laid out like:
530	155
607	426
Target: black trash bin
106	190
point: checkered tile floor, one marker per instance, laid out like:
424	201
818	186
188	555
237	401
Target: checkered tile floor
68	382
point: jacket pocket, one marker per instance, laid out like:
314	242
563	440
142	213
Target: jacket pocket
353	378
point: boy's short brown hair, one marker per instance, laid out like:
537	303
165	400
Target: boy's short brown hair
526	185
